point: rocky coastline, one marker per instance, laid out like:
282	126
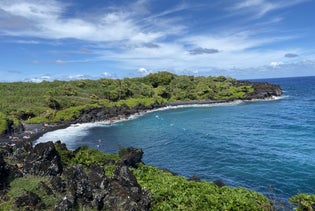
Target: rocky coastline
74	187
31	132
81	186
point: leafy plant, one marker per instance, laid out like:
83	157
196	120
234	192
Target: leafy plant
177	193
304	202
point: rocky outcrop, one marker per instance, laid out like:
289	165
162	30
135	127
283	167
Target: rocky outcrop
262	90
106	113
131	156
43	160
78	186
29	201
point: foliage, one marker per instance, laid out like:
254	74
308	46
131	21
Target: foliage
29	183
168	192
87	156
64	100
177	193
3	123
304	202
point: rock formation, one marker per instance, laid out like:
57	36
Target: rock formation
79	186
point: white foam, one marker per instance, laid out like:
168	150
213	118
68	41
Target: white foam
74	132
70	134
272	98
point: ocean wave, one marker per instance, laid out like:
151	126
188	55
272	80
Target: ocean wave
70	134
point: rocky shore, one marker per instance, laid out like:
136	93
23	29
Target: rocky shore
31	132
77	186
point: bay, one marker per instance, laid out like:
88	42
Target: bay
267	146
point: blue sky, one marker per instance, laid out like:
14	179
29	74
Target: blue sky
77	39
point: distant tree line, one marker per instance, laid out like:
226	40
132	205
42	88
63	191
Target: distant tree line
43	102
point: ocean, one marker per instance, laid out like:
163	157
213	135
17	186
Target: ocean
266	145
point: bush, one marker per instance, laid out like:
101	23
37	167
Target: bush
177	193
304	202
3	123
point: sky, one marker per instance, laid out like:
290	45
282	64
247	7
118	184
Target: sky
90	39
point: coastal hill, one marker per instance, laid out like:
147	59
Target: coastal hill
66	102
48	176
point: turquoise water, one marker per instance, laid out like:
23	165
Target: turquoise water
257	145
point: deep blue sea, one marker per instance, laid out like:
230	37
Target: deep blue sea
267	146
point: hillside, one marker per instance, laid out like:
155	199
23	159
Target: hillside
68	101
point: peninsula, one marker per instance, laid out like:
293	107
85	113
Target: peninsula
28	110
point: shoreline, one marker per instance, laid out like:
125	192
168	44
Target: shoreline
33	132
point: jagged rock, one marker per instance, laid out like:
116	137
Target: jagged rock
43	161
30	201
131	156
96	177
57	184
64	205
3	173
99	183
77	183
262	90
12	128
45	188
194	178
219	183
7	171
125	192
5	149
22	150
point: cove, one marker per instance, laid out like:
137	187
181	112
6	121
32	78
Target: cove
267	146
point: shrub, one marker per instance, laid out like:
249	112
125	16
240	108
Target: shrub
304	202
177	193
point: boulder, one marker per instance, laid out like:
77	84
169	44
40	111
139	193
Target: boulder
78	188
131	156
125	192
44	160
63	205
29	201
7	172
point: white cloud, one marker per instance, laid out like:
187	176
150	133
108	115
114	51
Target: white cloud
276	64
39	79
143	71
107	74
60	62
137	37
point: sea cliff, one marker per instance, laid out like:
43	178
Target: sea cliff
27	131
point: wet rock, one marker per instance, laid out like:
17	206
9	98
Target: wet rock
43	161
262	90
219	183
194	178
29	201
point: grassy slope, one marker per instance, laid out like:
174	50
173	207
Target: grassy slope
59	100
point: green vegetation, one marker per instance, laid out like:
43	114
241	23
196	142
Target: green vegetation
65	100
177	193
168	192
3	123
304	202
19	186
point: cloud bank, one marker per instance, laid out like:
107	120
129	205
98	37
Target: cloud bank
136	37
